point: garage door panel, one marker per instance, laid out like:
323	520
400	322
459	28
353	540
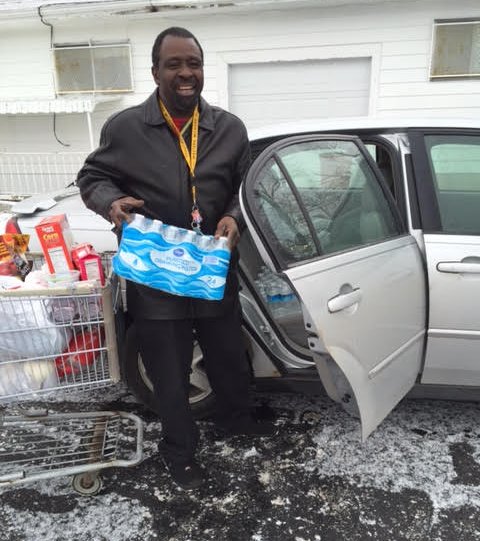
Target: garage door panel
263	93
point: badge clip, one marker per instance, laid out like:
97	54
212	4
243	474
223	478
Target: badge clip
196	219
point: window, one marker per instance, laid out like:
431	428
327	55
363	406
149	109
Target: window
456	49
384	163
93	68
321	197
455	165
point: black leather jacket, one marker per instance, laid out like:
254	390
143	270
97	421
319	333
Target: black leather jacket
140	156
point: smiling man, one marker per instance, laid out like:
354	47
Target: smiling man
178	159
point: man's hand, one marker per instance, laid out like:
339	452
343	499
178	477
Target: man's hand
121	208
227	227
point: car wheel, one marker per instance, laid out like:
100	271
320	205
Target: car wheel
202	399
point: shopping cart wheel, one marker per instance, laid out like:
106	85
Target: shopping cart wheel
87	484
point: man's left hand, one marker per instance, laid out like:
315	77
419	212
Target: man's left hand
227	227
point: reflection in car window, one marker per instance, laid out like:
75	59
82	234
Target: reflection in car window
321	197
455	165
280	212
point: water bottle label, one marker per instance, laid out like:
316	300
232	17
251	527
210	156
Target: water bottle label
175	260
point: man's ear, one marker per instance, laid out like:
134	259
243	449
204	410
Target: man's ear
155	73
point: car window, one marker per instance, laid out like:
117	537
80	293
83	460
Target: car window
320	197
279	210
384	164
455	164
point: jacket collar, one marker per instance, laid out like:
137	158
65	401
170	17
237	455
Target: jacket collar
153	116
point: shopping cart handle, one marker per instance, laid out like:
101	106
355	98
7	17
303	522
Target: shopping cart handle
32	413
5	479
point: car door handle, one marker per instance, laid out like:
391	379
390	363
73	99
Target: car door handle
344	300
458	267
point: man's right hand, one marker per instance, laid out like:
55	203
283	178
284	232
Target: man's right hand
120	209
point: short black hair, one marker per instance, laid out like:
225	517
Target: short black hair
177	31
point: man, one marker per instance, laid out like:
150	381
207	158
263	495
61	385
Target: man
177	159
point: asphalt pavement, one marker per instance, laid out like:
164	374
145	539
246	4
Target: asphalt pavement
416	478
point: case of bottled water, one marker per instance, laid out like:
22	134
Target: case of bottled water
172	259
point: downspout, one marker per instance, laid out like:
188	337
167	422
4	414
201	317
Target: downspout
90	131
39	11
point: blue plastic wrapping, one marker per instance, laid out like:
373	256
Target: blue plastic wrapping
172	259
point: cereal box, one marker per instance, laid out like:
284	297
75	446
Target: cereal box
56	242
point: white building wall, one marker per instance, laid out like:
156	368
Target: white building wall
396	35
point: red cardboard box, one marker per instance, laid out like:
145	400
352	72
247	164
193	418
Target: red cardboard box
56	242
88	262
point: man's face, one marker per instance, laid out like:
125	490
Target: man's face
179	74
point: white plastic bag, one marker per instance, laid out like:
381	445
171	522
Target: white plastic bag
26	377
27	332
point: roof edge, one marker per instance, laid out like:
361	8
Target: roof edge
147	8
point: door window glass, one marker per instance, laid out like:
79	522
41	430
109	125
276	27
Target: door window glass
320	197
384	164
455	166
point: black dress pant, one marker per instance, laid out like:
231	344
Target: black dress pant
166	347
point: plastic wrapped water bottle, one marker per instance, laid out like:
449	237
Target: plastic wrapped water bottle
281	300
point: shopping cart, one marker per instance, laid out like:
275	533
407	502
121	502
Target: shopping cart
55	342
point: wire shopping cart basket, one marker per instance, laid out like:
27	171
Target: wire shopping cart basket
54	342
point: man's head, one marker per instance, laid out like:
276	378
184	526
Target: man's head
177	68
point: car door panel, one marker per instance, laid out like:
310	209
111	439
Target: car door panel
453	346
360	278
447	172
377	337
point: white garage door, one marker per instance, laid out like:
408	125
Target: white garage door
270	92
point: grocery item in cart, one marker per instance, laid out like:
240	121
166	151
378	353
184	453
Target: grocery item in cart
172	259
56	241
7	283
82	351
12	255
19	378
63	278
27	330
36	279
88	262
63	310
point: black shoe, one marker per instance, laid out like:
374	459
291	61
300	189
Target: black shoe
187	475
250	427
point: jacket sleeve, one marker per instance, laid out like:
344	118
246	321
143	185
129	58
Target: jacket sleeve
240	170
99	180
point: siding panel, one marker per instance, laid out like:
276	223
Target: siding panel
398	33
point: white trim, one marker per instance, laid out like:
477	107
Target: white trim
146	9
436	24
59	105
230	58
55	54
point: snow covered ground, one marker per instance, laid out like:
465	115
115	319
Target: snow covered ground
416	478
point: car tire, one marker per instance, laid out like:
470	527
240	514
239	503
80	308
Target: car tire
202	398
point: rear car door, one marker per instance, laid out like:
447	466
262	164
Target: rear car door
447	174
322	216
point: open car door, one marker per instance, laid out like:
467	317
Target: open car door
322	216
